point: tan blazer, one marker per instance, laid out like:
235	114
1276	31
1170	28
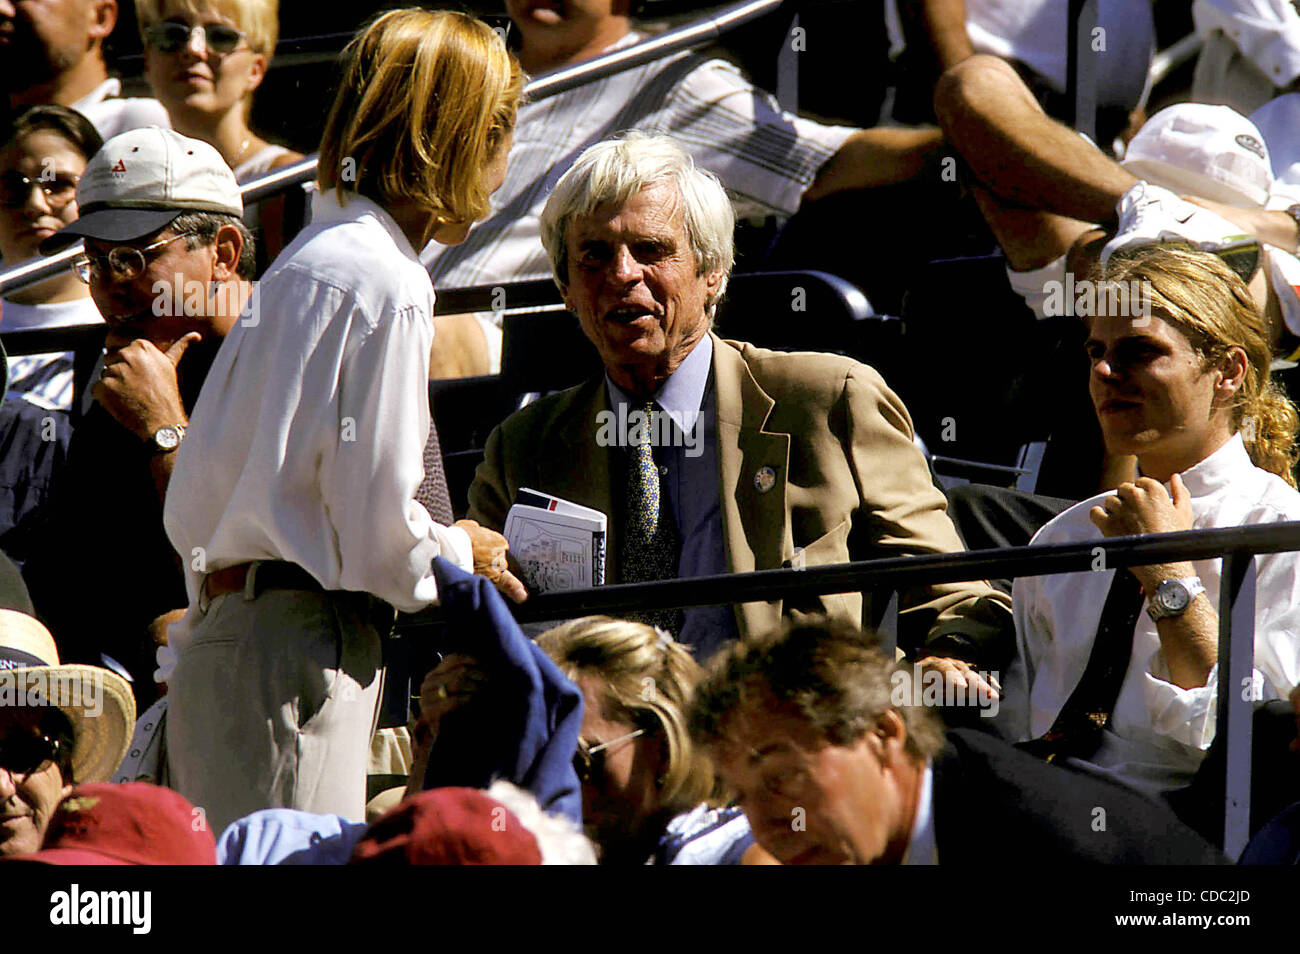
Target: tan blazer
849	484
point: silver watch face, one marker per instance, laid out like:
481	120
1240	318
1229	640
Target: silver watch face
167	438
1173	596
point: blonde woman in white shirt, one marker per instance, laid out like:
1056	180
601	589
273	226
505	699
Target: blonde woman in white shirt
292	501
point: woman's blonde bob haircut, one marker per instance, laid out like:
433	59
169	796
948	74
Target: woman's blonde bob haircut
649	680
1205	300
426	100
259	20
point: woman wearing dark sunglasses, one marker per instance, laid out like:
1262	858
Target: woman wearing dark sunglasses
648	795
204	61
42	156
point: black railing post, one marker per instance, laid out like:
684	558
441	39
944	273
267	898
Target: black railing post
1236	694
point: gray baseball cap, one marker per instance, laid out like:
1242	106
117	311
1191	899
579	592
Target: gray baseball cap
140	181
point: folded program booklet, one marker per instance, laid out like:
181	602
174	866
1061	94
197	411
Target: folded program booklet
559	545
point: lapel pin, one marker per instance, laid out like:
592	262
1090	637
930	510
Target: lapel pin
765	479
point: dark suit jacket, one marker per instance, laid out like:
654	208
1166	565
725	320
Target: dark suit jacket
849	484
996	805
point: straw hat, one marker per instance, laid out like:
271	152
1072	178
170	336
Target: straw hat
97	702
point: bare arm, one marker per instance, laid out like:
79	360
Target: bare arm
876	157
943	24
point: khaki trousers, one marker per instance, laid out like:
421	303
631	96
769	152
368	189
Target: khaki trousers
273	703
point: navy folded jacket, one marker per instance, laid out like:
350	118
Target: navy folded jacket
522	724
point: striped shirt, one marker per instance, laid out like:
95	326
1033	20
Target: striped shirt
45	379
765	157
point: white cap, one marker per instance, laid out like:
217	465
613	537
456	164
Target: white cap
140	181
1209	151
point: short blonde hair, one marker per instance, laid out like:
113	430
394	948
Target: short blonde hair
427	99
258	19
647	678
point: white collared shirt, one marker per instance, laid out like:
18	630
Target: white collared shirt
921	847
111	114
306	443
1158	732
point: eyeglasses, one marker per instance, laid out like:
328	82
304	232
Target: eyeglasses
126	261
171	35
589	761
23	753
16	188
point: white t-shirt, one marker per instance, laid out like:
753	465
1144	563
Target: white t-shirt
112	115
46	379
259	162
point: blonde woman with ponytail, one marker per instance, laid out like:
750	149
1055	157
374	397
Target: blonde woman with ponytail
1179	379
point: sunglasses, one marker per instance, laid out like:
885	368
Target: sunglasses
126	261
589	761
23	753
171	35
16	188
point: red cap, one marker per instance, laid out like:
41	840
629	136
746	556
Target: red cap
130	824
448	826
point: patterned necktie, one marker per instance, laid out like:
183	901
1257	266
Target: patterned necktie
650	544
432	492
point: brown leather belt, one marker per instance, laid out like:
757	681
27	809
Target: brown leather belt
271	575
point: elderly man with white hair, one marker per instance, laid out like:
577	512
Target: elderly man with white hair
754	459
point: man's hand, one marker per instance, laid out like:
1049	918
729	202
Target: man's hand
139	386
961	676
1146	507
446	687
490	559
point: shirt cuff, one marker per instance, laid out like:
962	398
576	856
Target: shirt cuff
453	542
1182	715
1188	716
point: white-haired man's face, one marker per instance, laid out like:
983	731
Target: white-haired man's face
635	287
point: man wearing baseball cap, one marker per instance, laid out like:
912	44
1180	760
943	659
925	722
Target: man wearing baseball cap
169	264
60	725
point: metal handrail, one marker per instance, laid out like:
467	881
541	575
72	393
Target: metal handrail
1236	644
898	573
542	87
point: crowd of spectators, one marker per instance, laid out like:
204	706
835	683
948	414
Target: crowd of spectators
204	552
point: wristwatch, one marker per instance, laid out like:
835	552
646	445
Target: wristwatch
167	438
1172	597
